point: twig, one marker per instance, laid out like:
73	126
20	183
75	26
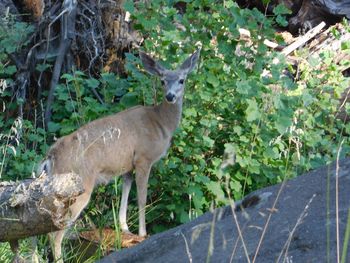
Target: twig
67	24
346	239
271	44
232	206
299	221
211	238
346	98
240	232
96	51
302	40
337	200
268	220
187	248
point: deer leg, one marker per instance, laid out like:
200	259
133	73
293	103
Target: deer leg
56	243
142	174
75	210
14	244
127	181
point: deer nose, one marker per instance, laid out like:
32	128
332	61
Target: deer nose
170	97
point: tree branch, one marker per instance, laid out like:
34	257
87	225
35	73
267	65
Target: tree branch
36	206
67	34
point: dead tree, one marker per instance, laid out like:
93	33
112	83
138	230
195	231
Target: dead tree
69	35
36	206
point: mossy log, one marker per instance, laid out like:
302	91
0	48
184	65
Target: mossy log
36	206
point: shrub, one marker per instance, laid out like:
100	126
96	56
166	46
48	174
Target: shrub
239	108
245	123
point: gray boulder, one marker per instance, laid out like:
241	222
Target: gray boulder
302	226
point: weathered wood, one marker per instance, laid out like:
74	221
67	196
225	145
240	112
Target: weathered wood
36	206
302	40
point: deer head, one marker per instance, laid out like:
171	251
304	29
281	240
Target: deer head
172	80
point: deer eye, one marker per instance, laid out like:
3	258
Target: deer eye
181	81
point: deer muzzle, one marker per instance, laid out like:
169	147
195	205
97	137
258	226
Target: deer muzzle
170	97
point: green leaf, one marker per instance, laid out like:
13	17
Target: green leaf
252	112
254	166
235	186
278	103
68	77
208	141
230	148
201	179
282	123
92	83
190	112
281	10
35	138
216	190
271	152
243	87
228	4
282	21
129	6
53	127
10	70
345	45
211	79
129	99
308	99
67	128
149	23
184	218
110	79
42	67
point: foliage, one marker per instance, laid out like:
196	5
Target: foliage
239	108
20	140
246	124
28	251
5	253
75	104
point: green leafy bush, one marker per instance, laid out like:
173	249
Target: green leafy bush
246	124
20	141
239	108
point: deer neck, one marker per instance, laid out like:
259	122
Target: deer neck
170	114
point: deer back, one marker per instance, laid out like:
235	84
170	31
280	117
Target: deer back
106	147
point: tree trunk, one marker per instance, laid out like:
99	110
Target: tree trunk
36	206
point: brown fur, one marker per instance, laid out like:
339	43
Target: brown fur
132	140
110	146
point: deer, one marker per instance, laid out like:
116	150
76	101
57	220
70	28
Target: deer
120	144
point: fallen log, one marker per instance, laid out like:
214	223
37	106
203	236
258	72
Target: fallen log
36	206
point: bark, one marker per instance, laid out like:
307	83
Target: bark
36	206
69	35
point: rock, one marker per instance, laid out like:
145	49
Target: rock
302	226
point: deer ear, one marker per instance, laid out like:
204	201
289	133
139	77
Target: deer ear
152	66
190	62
